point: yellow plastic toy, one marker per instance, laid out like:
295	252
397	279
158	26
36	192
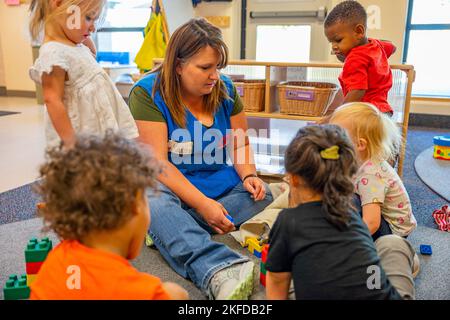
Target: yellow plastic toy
254	246
441	147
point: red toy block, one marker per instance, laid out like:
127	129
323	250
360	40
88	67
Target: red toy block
33	267
262	279
264	253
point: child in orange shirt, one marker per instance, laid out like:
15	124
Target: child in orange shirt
95	201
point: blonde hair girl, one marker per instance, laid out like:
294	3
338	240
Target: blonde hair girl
79	95
383	196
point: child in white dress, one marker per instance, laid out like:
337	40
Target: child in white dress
79	95
383	195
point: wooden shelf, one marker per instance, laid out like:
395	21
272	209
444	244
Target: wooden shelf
276	72
277	115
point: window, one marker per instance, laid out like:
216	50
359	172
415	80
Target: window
123	28
427	46
288	43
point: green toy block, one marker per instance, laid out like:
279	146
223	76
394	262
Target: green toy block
263	268
16	288
36	250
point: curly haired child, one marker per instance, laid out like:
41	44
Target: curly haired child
386	207
366	75
95	201
321	242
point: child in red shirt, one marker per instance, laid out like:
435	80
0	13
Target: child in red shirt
94	195
366	75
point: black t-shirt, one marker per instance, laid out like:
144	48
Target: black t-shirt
325	262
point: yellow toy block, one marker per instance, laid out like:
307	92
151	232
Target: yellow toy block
254	247
441	147
31	278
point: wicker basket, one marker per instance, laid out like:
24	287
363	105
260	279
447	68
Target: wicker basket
252	93
306	98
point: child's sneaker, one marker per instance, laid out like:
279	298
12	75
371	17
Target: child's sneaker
148	240
232	283
291	293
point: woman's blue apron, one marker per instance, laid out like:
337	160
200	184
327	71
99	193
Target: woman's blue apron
200	152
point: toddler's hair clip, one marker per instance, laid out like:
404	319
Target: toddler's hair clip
331	153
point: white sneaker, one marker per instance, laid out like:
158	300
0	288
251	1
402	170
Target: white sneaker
148	241
291	293
232	283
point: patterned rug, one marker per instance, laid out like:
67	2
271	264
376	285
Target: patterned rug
434	173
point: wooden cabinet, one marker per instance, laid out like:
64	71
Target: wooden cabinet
274	73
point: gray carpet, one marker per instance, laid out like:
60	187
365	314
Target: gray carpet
423	199
434	172
19	204
433	282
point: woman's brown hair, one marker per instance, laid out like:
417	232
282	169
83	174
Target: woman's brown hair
184	43
93	186
332	178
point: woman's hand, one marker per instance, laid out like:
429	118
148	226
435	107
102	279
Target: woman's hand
255	186
214	213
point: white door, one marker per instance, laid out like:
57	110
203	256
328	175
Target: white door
284	38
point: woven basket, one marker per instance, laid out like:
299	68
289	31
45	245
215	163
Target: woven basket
306	98
252	93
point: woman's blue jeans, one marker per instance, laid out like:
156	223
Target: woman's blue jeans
184	239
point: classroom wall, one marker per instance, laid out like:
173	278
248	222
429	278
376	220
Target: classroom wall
393	16
16	53
16	50
177	13
392	25
2	67
231	35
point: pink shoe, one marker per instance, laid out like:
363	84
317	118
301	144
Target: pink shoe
446	209
441	218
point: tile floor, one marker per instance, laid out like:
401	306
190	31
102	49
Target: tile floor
22	142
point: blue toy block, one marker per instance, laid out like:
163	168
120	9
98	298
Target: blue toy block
425	249
16	288
37	251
